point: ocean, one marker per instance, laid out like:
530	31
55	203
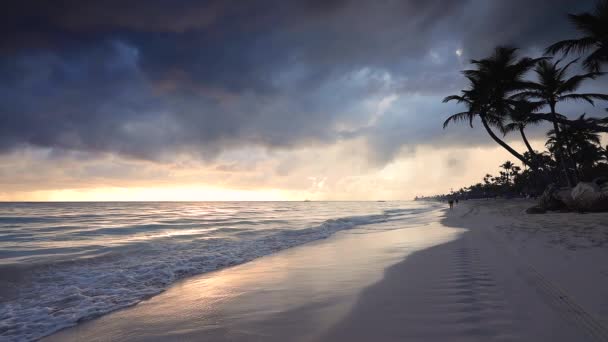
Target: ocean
63	263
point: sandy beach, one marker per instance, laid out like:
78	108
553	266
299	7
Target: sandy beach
484	271
304	171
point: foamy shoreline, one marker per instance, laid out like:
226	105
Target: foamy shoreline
65	263
483	271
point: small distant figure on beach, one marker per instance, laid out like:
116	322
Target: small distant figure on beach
451	203
456	201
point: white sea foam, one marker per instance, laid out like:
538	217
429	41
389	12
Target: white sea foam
63	264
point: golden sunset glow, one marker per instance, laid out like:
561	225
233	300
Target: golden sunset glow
177	193
400	179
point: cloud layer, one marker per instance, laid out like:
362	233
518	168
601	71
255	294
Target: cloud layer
158	80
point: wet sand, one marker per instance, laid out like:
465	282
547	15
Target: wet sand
476	273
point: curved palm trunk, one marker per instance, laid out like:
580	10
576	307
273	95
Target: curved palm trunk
504	144
578	172
529	147
525	139
533	155
559	153
575	173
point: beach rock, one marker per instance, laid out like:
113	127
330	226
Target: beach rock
564	195
584	197
553	198
601	181
604	190
590	197
585	194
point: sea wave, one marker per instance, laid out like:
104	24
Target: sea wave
67	287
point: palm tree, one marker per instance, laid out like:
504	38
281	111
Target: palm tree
594	29
475	100
490	94
507	166
553	87
582	146
521	118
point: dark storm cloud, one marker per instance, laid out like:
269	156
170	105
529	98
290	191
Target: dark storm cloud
523	23
151	78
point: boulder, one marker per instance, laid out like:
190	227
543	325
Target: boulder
585	194
602	182
589	196
553	198
564	195
584	197
604	190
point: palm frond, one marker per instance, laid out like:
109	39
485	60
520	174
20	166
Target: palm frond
583	97
574	82
596	58
586	23
576	97
510	127
531	119
563	70
526	94
458	117
457	98
579	46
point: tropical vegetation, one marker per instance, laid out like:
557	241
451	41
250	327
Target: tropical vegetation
509	93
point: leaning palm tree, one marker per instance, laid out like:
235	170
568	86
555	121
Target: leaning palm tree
492	85
552	87
521	117
594	29
476	100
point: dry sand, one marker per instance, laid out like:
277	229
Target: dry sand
481	272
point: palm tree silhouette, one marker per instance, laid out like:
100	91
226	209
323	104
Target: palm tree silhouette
594	28
475	98
507	166
582	147
491	93
520	118
553	87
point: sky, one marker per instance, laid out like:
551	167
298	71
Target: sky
253	100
